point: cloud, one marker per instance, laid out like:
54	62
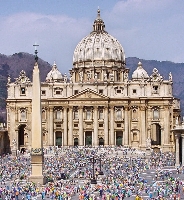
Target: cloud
148	29
56	35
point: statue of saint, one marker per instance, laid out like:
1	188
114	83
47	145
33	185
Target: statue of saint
14	143
71	78
105	77
170	76
81	76
65	78
148	143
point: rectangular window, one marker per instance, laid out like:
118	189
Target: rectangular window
100	114
43	92
118	125
118	91
58	114
134	91
23	115
88	114
76	92
76	114
58	125
101	91
118	114
23	90
58	92
101	125
75	125
155	114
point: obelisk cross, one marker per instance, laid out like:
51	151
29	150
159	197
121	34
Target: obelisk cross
36	52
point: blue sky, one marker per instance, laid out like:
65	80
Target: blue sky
147	29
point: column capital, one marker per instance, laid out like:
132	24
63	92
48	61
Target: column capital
106	107
143	108
70	107
177	135
95	107
126	108
80	107
111	106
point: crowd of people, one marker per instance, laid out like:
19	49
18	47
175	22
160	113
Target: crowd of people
69	173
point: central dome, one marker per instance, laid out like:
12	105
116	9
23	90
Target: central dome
98	46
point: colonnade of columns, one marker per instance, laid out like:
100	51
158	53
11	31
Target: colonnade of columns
68	125
179	135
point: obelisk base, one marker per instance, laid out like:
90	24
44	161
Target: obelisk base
37	180
37	169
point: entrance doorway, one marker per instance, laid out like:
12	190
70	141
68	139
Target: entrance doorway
59	138
76	142
156	134
21	136
88	138
101	141
119	138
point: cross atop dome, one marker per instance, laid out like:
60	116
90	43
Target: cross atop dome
98	13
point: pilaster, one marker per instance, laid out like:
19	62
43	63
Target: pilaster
65	126
81	137
177	136
126	137
111	125
106	128
70	126
51	126
95	142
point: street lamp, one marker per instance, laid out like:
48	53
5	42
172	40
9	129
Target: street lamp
100	172
93	180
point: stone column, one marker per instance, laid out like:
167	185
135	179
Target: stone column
70	126
143	125
65	126
81	134
95	118
177	136
166	126
12	114
51	127
126	127
111	126
182	135
106	126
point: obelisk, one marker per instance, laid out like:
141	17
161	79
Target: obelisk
37	157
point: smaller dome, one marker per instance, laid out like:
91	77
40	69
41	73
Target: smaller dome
140	73
54	75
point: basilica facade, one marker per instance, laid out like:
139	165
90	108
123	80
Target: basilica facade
101	103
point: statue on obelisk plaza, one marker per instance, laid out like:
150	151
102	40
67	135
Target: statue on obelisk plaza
37	157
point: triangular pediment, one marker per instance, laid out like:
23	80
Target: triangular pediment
88	94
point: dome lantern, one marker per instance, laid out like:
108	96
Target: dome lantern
98	25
